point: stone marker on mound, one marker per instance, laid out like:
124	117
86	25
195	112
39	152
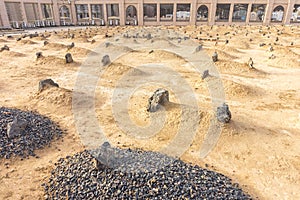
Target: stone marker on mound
45	43
38	55
215	57
159	98
69	58
251	63
105	60
70	46
5	47
223	113
16	127
44	84
205	74
199	48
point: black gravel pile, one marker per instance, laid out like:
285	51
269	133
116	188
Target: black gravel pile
38	133
80	177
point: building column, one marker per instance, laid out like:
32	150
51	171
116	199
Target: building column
140	14
212	13
122	13
4	16
73	13
90	12
288	12
231	13
193	12
174	13
248	13
40	11
268	13
24	17
105	14
158	13
55	12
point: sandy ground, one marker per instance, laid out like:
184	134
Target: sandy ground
259	148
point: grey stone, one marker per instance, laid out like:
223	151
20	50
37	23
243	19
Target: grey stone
71	46
105	60
205	74
223	113
159	98
69	58
44	84
16	127
199	48
215	57
250	63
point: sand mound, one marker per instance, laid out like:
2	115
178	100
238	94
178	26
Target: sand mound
222	55
81	39
2	40
116	69
234	89
240	69
80	51
284	62
52	60
10	54
27	42
228	49
60	97
119	48
55	46
161	54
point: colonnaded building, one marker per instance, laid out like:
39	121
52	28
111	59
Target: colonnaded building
43	13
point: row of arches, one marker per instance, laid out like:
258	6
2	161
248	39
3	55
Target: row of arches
222	13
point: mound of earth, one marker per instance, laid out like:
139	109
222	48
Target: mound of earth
135	174
38	132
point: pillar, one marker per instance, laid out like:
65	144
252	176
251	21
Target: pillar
212	13
140	14
158	13
73	13
122	13
90	12
55	12
248	13
193	12
288	12
105	14
174	13
231	13
24	17
4	16
268	13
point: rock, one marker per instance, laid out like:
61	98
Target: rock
199	48
262	44
22	132
107	44
5	47
226	41
93	41
205	74
215	57
44	84
159	98
18	39
271	49
70	46
45	43
250	63
149	37
272	56
69	58
105	60
16	127
38	54
33	35
223	113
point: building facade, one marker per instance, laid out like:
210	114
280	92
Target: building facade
43	13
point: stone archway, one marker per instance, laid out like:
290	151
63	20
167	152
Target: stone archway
131	15
277	14
202	13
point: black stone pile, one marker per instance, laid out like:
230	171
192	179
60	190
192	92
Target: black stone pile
22	132
130	174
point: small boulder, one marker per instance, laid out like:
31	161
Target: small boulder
39	55
5	47
105	60
16	127
223	113
215	57
45	43
44	84
159	98
250	63
69	58
205	74
199	48
71	46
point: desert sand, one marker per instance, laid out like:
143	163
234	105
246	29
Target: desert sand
259	148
